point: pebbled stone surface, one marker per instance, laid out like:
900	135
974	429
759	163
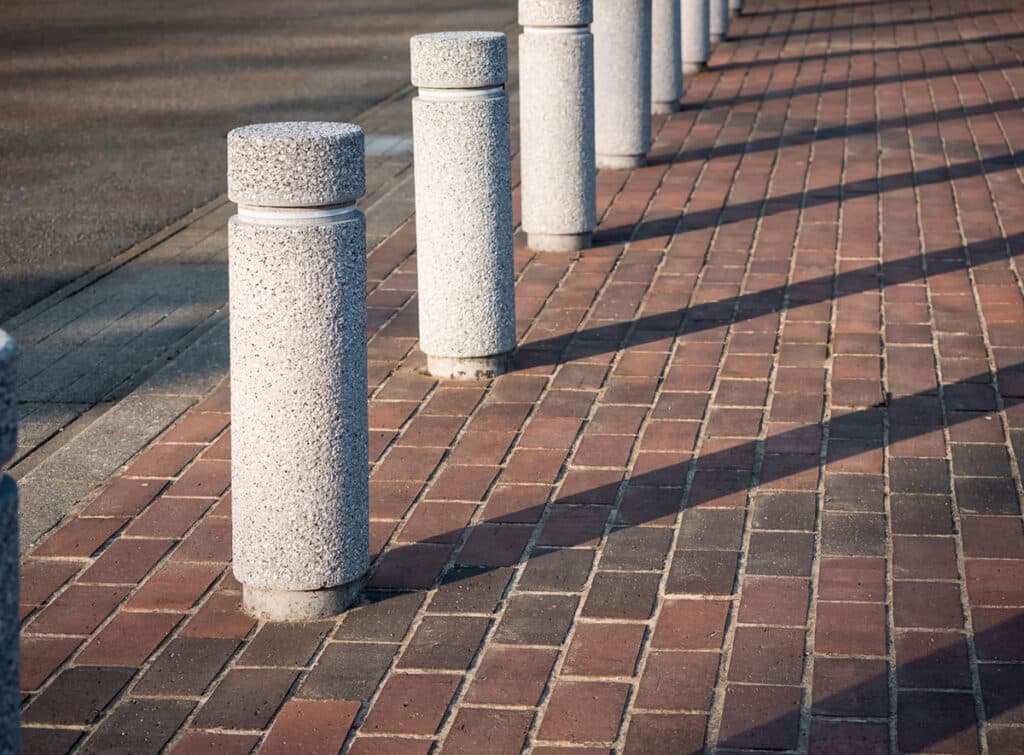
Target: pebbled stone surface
459	59
464	227
556	85
298	401
555	12
622	77
296	164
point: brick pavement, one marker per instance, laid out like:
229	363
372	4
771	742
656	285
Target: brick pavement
753	484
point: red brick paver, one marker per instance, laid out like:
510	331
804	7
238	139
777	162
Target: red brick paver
754	482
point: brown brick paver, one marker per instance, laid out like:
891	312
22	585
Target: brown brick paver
753	483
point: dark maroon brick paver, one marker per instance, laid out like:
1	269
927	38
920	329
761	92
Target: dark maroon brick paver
752	482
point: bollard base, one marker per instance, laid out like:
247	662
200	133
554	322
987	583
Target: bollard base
695	67
664	108
467	368
621	162
559	242
716	38
299	605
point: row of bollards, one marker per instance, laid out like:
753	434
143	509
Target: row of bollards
10	697
592	72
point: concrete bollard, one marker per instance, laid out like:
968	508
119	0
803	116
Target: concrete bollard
622	82
556	124
10	697
719	20
696	34
735	8
463	176
297	276
666	57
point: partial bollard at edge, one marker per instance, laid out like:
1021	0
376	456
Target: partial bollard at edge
10	697
695	20
735	8
556	124
719	20
666	57
297	277
463	185
622	82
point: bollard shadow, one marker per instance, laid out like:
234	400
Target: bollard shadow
786	138
870	698
815	9
769	206
872	52
603	339
874	81
662	493
884	22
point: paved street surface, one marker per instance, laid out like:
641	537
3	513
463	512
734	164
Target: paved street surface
754	482
113	114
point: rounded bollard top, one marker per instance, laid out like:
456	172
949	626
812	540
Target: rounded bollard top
296	164
459	59
556	12
8	404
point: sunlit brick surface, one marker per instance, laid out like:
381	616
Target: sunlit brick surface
753	482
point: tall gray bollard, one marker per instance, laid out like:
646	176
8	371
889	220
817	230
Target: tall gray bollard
735	8
556	124
10	697
622	82
719	20
297	276
463	176
696	34
666	57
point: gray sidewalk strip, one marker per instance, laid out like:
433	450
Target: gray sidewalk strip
111	360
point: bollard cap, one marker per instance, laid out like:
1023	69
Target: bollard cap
296	164
459	59
8	404
556	12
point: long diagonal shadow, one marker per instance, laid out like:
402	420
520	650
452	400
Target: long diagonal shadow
939	728
668	495
872	52
815	8
826	195
867	81
655	327
884	23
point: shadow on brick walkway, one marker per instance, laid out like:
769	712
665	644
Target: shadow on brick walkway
754	483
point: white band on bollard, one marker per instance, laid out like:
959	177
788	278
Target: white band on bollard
580	30
483	93
295	215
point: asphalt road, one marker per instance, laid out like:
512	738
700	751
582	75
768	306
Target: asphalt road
113	114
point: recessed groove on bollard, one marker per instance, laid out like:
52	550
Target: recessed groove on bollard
622	82
695	20
666	57
10	697
719	16
463	184
556	88
297	275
